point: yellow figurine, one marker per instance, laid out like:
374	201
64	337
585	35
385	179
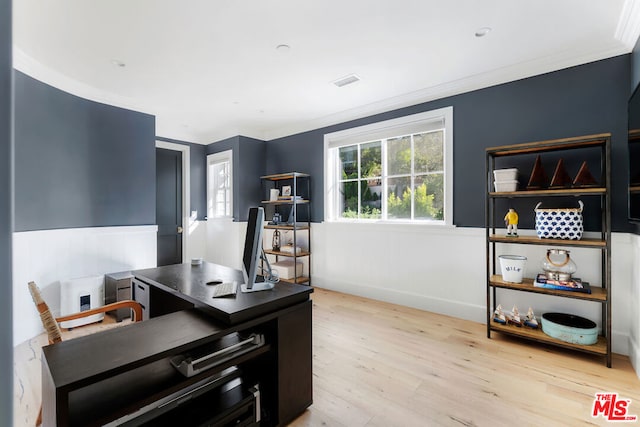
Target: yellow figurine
511	221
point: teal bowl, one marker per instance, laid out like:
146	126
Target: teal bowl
570	328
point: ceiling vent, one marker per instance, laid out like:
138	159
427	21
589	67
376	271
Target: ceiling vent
351	78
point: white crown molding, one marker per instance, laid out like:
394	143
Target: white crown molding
35	69
628	29
494	77
168	128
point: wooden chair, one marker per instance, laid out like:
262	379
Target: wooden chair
52	327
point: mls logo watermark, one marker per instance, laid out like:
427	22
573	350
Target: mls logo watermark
612	407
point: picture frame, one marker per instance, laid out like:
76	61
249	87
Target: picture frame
286	191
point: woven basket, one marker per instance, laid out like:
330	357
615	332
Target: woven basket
563	223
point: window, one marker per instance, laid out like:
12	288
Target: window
397	170
219	185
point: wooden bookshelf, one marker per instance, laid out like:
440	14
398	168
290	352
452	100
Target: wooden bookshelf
550	193
287	254
287	227
600	347
534	240
597	294
597	195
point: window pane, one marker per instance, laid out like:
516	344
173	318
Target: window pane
399	198
349	162
219	184
399	155
429	197
371	159
371	199
219	209
429	153
349	199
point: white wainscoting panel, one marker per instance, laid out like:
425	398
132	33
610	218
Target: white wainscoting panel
442	269
225	242
197	241
49	256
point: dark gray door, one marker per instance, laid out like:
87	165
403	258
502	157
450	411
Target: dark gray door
169	206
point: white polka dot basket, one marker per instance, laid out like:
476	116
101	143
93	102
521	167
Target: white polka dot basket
563	223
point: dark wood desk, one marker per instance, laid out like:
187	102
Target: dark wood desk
98	378
189	284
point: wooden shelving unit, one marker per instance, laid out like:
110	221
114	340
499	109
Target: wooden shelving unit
300	186
600	348
533	240
599	294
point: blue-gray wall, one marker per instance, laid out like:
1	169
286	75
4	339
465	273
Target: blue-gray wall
248	165
6	213
80	163
198	176
582	100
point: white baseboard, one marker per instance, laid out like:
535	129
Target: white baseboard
634	355
475	313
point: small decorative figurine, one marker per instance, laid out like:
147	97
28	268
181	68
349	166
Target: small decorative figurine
538	179
531	320
584	178
498	315
511	221
561	178
513	318
275	241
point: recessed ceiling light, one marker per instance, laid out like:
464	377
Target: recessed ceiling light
481	32
283	48
118	63
347	80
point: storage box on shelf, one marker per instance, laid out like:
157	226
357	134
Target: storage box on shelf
600	194
505	179
286	194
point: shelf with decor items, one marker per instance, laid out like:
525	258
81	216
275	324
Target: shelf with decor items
287	206
559	190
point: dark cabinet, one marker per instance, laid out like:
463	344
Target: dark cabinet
118	288
111	376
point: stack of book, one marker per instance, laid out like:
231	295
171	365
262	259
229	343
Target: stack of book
573	285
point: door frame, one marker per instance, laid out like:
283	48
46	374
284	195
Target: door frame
186	207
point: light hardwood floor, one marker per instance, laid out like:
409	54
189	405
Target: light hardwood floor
379	364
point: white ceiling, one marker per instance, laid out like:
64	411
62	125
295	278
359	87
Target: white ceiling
209	69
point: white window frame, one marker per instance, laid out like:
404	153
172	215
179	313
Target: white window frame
213	159
382	130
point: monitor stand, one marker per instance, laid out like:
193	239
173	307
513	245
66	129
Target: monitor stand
259	286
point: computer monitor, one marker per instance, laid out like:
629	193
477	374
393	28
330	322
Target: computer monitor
253	253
